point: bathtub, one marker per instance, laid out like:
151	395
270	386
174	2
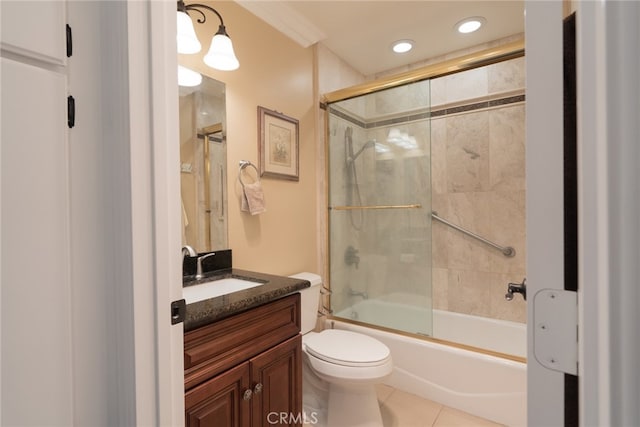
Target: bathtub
481	384
399	311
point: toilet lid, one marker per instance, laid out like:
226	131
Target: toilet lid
347	348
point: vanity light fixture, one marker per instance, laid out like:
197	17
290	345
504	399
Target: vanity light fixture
402	46
469	25
221	55
187	77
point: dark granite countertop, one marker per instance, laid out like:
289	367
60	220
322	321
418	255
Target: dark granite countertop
207	311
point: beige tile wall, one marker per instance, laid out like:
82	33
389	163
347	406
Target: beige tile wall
478	182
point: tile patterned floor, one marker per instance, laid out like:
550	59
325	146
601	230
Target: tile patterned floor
400	409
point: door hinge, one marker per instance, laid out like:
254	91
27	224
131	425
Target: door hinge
178	311
69	42
555	337
71	111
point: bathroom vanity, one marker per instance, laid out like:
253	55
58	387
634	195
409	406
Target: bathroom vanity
243	355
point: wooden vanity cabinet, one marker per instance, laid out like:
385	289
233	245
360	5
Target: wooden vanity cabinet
219	401
246	370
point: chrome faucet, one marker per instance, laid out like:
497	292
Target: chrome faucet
199	274
516	288
188	251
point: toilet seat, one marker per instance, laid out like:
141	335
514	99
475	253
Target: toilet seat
346	348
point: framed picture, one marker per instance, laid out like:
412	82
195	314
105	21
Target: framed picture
278	145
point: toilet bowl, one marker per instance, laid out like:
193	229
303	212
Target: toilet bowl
344	356
340	369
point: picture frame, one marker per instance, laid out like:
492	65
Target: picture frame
278	145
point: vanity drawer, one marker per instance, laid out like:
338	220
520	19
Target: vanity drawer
214	348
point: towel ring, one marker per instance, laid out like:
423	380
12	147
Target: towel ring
243	164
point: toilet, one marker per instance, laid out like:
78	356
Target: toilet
340	369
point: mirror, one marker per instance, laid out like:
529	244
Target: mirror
203	165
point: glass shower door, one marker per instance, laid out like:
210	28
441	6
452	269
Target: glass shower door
379	208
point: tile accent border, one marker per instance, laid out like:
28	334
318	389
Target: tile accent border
428	114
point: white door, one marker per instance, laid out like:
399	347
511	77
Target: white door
36	334
545	246
90	215
608	111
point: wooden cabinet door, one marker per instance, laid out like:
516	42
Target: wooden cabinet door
276	377
220	401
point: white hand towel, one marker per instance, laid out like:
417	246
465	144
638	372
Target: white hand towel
253	199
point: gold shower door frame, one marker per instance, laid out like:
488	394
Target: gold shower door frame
456	65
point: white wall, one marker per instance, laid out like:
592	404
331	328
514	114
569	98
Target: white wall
124	171
276	73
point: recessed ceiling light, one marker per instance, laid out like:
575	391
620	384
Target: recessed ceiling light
469	25
402	46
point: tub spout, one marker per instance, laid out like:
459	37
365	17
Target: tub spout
516	288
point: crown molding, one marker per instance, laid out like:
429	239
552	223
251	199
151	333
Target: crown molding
286	20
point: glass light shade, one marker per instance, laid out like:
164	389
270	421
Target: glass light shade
221	55
187	77
187	40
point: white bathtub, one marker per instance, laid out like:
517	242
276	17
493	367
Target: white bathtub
487	386
400	311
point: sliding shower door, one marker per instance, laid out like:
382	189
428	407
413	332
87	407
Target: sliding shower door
379	208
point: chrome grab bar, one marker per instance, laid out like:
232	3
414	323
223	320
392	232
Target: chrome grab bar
507	251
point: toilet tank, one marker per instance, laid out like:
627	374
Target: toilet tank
310	297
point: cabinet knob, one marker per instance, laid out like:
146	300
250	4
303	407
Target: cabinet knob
258	388
247	394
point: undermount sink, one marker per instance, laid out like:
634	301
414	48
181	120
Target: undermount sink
216	288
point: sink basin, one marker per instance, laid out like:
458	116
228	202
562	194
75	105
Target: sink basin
216	288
